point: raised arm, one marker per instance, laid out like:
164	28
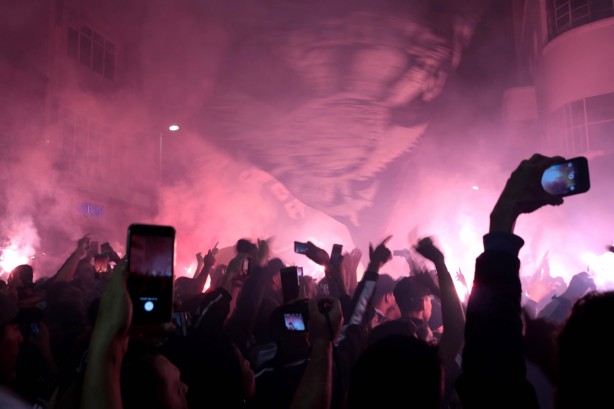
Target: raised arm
68	269
378	256
559	308
108	344
494	372
204	266
350	264
247	300
316	387
452	312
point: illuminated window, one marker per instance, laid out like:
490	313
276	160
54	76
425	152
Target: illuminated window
563	15
92	50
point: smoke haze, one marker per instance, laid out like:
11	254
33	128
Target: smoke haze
317	123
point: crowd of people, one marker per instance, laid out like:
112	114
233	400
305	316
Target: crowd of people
70	341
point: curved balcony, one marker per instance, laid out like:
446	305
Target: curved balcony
576	65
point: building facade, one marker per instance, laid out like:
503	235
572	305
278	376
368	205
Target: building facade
71	101
565	98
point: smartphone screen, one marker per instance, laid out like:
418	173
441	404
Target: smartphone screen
568	178
300	248
151	262
294	321
289	283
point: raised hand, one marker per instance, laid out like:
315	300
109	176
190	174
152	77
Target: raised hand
351	260
427	249
349	266
263	251
317	255
523	193
579	285
379	255
325	319
209	259
83	245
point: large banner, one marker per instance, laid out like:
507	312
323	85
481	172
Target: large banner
330	96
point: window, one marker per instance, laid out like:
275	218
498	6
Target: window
582	126
92	50
85	145
563	15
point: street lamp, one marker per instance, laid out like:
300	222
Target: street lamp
172	128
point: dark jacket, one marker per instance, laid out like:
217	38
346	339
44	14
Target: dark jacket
494	371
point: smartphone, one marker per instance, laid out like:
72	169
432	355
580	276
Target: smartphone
290	283
567	178
151	265
300	247
335	254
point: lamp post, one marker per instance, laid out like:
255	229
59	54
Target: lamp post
172	128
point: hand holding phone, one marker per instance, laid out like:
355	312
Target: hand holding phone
313	252
524	192
151	263
300	247
83	243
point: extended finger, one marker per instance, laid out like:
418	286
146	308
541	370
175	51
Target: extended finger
386	240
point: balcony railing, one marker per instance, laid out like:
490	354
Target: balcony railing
563	15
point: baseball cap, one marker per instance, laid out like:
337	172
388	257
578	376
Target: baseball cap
409	290
385	284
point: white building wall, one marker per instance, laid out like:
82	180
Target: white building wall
575	65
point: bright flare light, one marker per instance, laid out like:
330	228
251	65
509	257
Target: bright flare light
607	262
590	259
601	268
474	187
173	128
11	258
